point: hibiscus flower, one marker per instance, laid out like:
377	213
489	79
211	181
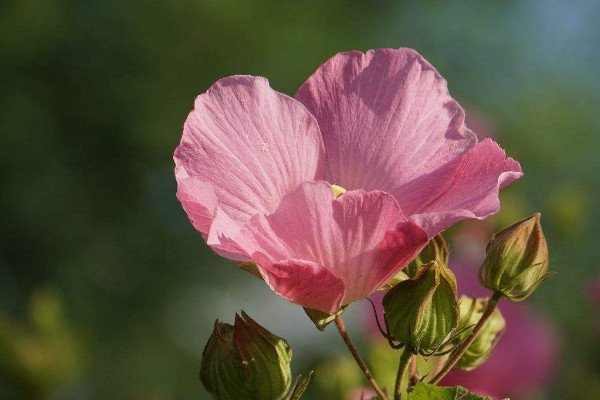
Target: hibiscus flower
331	193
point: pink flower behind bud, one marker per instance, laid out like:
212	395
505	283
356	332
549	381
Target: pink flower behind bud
522	362
361	394
524	359
594	293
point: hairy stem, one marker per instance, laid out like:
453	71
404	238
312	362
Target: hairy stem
457	354
363	367
402	378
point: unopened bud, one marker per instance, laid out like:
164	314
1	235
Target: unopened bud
245	361
517	260
471	310
436	250
422	313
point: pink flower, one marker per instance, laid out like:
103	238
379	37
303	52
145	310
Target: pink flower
522	362
594	292
361	394
593	295
255	167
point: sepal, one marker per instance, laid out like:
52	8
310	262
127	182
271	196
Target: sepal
422	313
471	310
245	361
321	319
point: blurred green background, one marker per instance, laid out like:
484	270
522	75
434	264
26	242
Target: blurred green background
106	290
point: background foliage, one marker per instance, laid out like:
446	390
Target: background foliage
106	291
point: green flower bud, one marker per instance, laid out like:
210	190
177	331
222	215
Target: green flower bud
436	250
517	260
471	310
245	361
422	313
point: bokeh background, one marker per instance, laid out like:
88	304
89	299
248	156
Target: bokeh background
106	290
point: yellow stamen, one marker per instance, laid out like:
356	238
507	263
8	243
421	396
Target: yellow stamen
337	190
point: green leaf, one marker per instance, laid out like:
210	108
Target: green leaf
424	391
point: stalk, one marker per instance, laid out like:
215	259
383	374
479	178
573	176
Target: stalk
491	306
363	367
402	377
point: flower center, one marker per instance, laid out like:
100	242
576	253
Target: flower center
337	190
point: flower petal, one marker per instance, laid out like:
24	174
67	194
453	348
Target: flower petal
244	146
199	200
473	193
295	280
388	123
361	238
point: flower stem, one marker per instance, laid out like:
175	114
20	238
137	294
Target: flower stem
414	373
363	367
401	378
491	306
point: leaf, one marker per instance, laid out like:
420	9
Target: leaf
424	391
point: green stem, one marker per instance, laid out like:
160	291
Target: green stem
491	306
361	364
402	378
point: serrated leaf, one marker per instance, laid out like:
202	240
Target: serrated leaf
424	391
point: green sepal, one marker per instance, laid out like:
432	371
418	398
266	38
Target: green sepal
245	361
516	261
298	387
435	250
251	267
424	391
221	372
471	310
396	279
422	313
321	319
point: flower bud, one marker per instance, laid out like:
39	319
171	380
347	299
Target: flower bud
422	313
517	260
436	250
471	310
245	361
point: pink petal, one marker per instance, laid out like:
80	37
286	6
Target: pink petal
294	280
361	238
199	200
473	192
244	146
361	394
388	123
